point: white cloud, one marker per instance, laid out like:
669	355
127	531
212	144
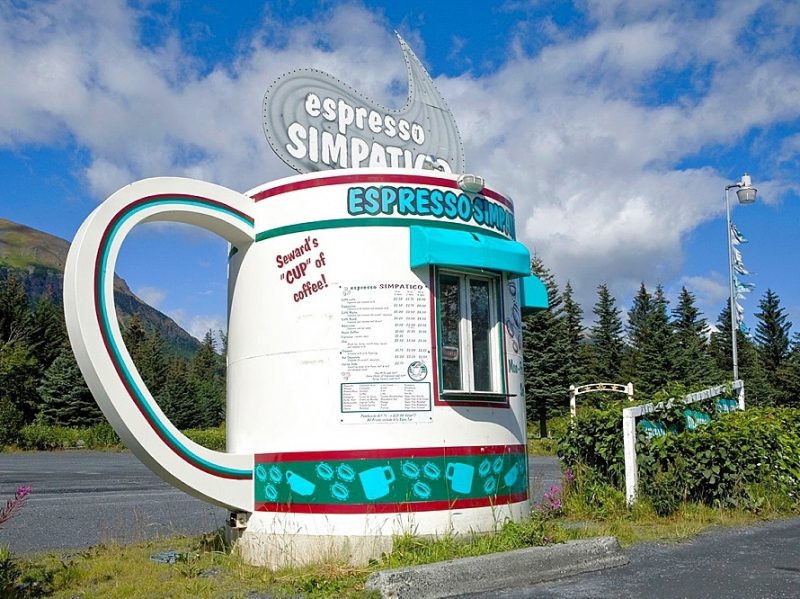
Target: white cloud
152	295
711	292
199	325
577	133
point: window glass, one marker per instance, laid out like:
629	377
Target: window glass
481	334
450	315
469	333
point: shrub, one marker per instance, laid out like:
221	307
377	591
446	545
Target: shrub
594	440
212	438
727	462
720	463
10	422
44	437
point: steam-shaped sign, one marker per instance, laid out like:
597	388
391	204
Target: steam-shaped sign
314	122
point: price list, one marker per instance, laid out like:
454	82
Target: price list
385	355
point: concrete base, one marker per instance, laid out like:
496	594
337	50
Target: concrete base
285	551
278	540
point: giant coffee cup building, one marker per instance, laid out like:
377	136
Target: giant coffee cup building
375	306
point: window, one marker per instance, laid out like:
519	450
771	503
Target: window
469	333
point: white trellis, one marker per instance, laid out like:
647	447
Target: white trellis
596	388
629	416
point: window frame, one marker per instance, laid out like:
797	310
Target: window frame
497	396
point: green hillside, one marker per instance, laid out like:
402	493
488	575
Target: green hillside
37	259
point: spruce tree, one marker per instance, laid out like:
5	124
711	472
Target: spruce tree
48	332
757	389
18	378
180	401
690	361
772	332
206	375
656	367
545	378
573	340
148	352
605	338
13	311
788	377
66	400
636	333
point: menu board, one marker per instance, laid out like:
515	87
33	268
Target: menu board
386	352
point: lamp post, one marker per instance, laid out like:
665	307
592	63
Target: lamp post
746	194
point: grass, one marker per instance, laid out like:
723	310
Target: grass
547	446
205	568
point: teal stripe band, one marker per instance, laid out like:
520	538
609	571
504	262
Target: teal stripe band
342	223
117	355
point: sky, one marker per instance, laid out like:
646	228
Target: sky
614	125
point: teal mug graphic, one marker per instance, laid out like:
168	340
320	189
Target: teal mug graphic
376	482
510	477
460	476
300	485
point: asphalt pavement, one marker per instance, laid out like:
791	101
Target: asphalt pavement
755	562
83	498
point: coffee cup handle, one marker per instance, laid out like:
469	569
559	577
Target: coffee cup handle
390	472
450	471
222	478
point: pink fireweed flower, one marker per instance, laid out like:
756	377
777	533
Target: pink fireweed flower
14	505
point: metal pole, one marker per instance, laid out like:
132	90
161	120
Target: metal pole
734	355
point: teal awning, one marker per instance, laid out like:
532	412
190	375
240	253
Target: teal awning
443	247
534	295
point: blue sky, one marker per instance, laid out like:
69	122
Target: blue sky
614	124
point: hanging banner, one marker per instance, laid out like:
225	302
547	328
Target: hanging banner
736	236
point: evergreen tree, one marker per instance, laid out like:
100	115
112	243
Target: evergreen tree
148	351
206	375
48	332
657	348
18	372
545	377
757	389
66	400
180	402
605	338
576	367
690	361
19	369
772	332
13	311
636	332
788	377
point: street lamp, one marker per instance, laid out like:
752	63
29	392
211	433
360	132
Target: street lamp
746	194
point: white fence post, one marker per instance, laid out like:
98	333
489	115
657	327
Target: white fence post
740	392
629	416
631	471
572	407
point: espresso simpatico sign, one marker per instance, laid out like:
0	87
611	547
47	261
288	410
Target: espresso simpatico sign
315	122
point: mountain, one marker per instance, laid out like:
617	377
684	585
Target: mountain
37	260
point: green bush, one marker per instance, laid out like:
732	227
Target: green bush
10	422
39	436
594	440
44	437
721	462
727	461
212	438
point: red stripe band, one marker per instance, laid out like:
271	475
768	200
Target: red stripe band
374	178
